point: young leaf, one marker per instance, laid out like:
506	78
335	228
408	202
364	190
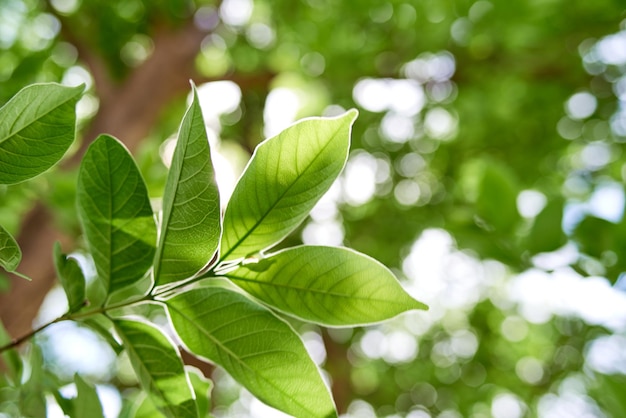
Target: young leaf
326	285
10	253
37	126
159	367
87	403
71	277
284	179
258	349
115	213
190	229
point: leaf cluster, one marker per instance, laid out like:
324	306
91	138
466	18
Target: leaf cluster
222	289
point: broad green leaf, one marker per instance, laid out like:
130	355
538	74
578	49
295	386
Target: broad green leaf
258	349
71	277
159	367
326	285
87	402
115	214
37	126
10	253
190	227
284	179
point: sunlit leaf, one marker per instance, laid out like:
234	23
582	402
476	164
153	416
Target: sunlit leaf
202	389
190	228
37	126
10	253
71	277
284	179
115	213
259	350
326	285
159	367
87	403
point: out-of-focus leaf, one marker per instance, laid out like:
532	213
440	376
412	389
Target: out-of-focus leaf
286	176
87	402
546	233
71	277
32	402
37	126
258	349
115	214
326	285
190	228
496	202
159	367
10	357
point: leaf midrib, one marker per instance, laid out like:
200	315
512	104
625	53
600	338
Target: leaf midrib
170	202
13	133
271	208
235	357
152	381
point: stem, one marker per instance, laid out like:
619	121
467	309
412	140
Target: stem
71	316
17	341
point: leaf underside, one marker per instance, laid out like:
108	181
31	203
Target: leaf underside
159	367
326	285
284	179
259	350
10	253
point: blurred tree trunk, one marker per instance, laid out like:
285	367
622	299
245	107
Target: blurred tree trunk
127	111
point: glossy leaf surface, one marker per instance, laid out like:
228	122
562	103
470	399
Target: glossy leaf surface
327	285
159	367
37	126
259	350
115	213
190	227
286	176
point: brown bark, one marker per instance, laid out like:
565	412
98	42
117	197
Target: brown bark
127	111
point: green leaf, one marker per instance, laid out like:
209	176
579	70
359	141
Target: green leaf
284	179
37	126
11	358
87	402
497	197
159	367
546	233
32	401
326	285
71	277
202	389
115	214
190	228
258	349
10	253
